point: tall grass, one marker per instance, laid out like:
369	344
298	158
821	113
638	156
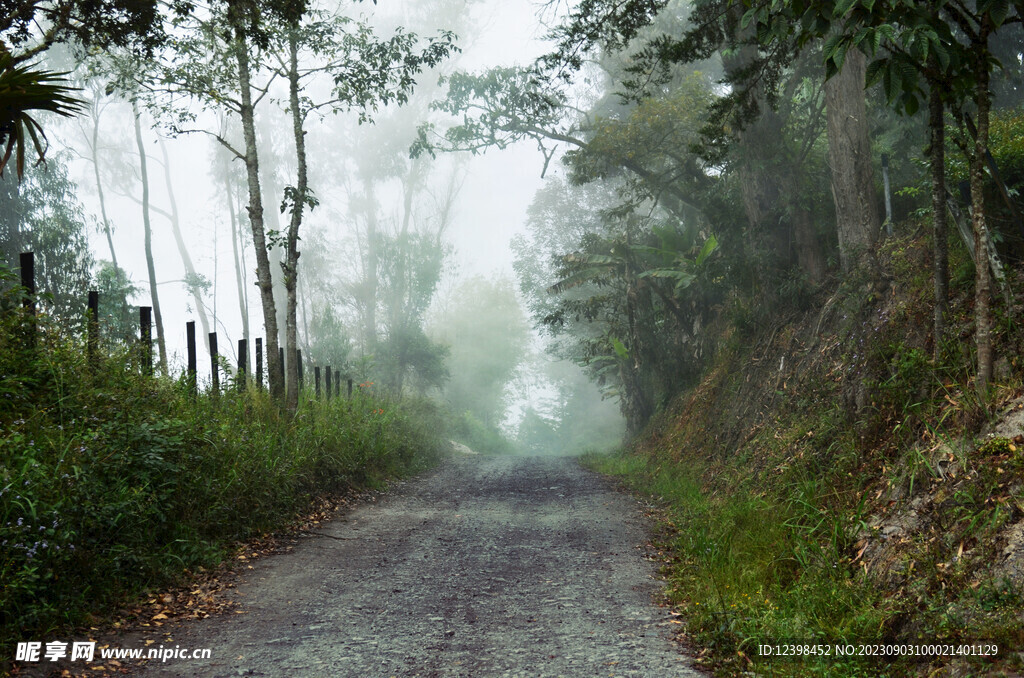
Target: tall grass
755	568
111	483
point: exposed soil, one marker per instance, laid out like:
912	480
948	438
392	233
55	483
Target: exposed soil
505	566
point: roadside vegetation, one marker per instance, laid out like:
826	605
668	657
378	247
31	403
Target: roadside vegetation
787	514
113	484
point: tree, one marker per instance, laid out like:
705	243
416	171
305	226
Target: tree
227	60
118	318
148	238
367	73
96	105
950	45
853	186
409	266
615	291
42	215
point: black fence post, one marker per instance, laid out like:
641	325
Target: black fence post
214	372
190	342
259	362
316	379
350	389
298	364
243	357
27	262
327	380
337	383
92	327
146	338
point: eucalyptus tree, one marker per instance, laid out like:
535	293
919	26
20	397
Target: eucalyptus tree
95	105
212	60
228	58
148	237
367	73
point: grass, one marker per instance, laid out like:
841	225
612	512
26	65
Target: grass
775	484
749	569
112	484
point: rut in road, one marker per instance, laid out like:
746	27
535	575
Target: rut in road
509	566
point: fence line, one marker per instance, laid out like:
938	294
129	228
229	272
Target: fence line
27	262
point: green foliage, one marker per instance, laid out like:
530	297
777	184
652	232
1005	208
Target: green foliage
538	434
329	343
111	483
42	214
23	89
119	320
625	296
407	357
756	565
409	266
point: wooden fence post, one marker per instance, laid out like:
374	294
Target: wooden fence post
337	383
190	341
327	381
214	372
146	338
350	389
259	362
316	379
92	327
27	262
243	357
298	363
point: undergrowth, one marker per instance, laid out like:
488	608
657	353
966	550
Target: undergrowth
112	483
825	483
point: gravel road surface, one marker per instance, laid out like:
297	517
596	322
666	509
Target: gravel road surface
509	566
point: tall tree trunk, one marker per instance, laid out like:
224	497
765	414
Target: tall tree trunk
147	226
271	196
303	291
370	315
759	181
99	183
236	245
264	277
186	258
810	255
849	154
982	275
940	248
301	187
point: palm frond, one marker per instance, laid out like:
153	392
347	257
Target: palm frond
25	88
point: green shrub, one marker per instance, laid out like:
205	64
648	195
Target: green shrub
111	483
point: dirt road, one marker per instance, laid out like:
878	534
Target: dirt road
505	566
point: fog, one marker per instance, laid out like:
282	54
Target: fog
363	180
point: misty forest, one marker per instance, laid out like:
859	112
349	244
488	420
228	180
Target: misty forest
548	338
